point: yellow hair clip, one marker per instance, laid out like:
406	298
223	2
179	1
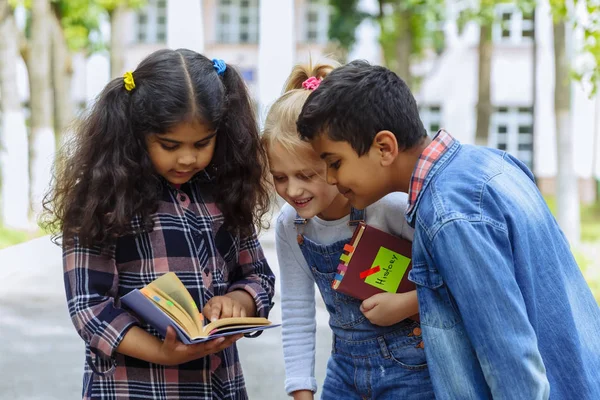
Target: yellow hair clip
128	80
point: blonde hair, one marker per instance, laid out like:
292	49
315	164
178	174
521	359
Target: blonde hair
280	123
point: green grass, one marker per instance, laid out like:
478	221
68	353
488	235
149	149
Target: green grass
590	235
592	277
590	220
10	237
590	223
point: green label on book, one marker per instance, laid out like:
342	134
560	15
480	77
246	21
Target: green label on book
392	267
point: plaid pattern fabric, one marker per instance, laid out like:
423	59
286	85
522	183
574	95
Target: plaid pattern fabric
188	239
433	152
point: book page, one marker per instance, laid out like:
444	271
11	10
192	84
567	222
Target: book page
170	284
172	309
236	322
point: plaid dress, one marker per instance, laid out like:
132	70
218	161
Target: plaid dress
187	239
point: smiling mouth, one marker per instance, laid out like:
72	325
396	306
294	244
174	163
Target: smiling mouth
302	203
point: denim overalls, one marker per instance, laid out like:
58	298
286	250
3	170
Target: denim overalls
367	361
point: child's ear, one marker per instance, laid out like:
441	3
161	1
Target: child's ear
386	146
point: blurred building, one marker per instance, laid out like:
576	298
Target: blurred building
294	31
266	38
523	118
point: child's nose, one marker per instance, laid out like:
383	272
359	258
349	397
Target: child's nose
294	190
187	159
331	179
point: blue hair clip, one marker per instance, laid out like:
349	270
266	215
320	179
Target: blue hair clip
219	65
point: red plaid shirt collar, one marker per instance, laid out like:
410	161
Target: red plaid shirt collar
433	152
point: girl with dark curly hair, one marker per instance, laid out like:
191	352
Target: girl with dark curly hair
165	173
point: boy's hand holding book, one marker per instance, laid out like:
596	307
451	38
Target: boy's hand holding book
303	395
385	309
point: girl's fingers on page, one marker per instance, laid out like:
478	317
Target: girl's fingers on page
237	310
215	310
227	307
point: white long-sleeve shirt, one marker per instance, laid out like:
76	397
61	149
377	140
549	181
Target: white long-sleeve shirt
298	284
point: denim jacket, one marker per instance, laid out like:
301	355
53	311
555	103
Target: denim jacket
505	310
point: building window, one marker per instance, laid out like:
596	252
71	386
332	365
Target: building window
513	25
317	21
431	115
152	22
238	21
512	131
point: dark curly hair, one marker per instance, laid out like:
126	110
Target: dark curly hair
103	177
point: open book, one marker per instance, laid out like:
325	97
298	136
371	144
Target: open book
374	262
166	302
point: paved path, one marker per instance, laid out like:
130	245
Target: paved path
41	356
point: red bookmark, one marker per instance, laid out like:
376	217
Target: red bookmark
369	271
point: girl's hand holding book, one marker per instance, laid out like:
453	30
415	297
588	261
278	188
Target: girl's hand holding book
140	344
173	352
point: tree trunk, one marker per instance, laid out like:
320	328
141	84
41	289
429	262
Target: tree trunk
380	21
14	153
117	45
42	133
484	101
596	148
62	72
404	46
567	188
397	57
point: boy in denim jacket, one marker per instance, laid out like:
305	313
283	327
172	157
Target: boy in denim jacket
505	310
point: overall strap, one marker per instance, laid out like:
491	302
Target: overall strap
299	220
357	216
299	223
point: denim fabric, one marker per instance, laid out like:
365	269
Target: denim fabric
505	310
367	361
390	366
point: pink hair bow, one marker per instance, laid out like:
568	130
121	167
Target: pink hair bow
311	83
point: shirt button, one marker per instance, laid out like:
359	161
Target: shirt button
182	197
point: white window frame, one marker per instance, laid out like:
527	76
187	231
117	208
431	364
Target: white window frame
516	119
431	116
516	25
234	32
320	27
152	30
